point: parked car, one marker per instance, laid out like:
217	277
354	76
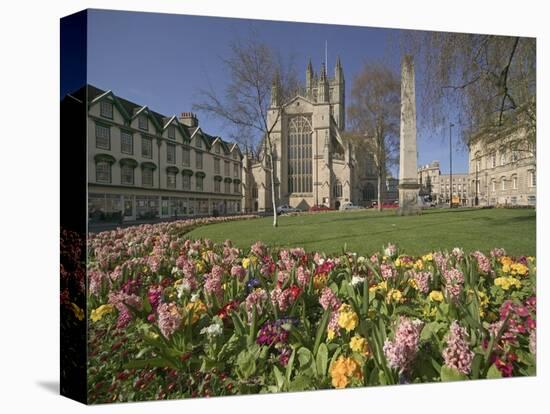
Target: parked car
285	209
320	207
392	204
350	206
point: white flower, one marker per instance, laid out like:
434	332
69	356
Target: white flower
361	259
215	329
356	280
183	287
390	250
194	297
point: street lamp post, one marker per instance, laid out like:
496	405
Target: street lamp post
451	125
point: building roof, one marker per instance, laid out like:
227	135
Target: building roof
131	109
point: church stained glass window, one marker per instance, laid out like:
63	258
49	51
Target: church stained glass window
300	156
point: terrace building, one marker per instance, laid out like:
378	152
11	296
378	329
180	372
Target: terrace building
502	168
142	164
437	186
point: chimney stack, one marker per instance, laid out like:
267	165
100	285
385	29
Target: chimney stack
189	119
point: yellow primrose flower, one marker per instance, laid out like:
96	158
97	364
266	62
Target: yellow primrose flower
98	313
330	334
152	335
505	283
506	268
379	287
78	313
347	318
419	265
198	308
200	266
506	260
436	296
344	369
360	345
519	269
319	281
394	295
428	257
397	262
246	262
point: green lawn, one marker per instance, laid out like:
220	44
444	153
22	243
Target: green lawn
366	231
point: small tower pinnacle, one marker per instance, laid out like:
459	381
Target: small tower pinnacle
309	77
275	86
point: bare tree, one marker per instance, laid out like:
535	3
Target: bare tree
488	80
374	118
255	72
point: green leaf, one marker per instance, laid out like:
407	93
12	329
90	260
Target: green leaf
279	378
252	332
476	364
305	357
430	329
237	321
300	383
365	300
289	366
493	372
382	378
321	330
322	361
246	364
451	374
230	347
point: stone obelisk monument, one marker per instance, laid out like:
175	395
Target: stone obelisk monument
408	177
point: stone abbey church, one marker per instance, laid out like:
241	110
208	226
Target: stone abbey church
314	165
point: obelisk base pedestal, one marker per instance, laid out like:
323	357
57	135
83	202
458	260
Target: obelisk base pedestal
408	199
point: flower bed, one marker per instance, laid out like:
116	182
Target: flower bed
175	318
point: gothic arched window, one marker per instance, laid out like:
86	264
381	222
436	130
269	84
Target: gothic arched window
337	189
299	156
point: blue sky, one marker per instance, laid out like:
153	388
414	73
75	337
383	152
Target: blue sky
164	60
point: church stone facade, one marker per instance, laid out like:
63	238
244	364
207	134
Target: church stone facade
313	163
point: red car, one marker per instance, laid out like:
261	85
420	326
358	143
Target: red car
393	204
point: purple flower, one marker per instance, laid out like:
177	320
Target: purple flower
329	300
271	333
457	354
213	283
255	299
169	318
154	295
483	263
387	271
422	280
259	249
454	280
401	351
302	276
498	252
238	272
